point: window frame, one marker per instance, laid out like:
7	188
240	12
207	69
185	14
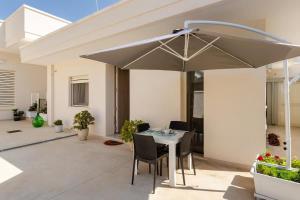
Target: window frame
78	79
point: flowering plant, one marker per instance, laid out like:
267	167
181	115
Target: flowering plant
275	171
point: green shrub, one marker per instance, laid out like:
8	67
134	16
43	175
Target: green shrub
290	175
296	163
128	129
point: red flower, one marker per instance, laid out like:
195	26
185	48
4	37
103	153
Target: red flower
277	157
260	158
268	154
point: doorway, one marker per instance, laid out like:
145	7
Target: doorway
195	108
122	98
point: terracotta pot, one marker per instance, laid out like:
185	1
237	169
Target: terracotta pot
83	134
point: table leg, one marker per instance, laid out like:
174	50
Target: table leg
172	164
190	161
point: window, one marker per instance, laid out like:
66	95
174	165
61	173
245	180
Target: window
79	91
7	89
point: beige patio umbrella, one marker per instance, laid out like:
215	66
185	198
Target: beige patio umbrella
192	50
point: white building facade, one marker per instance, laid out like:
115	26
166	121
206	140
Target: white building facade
22	80
234	100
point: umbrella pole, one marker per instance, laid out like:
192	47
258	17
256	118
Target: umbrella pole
287	113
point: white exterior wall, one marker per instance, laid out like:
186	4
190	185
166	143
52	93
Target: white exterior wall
27	24
2	34
96	73
29	79
14	28
155	97
234	114
37	23
295	105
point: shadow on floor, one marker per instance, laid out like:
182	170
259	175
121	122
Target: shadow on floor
178	187
235	193
243	182
240	186
207	164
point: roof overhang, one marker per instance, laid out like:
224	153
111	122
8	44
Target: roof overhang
126	21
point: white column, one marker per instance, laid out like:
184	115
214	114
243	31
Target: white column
50	94
172	164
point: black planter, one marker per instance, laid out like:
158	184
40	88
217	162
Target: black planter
17	117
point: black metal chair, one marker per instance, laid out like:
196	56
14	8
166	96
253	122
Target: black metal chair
179	125
143	127
145	150
160	147
184	149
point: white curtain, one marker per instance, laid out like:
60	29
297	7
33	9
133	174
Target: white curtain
80	94
272	103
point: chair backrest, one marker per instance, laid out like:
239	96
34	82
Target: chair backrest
144	147
185	146
179	125
142	127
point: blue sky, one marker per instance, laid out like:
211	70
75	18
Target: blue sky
71	10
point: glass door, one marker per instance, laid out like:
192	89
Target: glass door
195	108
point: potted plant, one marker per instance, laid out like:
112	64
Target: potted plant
18	115
43	110
273	180
58	126
32	111
81	123
128	129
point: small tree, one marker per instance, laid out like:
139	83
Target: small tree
82	120
128	129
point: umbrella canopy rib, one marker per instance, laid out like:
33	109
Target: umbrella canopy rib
158	47
225	52
206	47
175	53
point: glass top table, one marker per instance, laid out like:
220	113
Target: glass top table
171	140
164	138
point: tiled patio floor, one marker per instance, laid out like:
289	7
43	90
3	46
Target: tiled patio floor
28	135
68	169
